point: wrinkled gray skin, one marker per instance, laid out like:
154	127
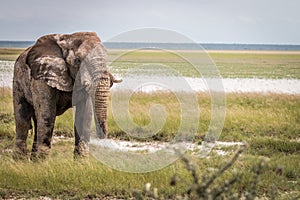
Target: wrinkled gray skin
44	76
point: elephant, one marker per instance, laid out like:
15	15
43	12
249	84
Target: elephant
44	80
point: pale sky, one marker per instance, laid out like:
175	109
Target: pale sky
205	21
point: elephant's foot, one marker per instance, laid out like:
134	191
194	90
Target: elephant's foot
20	151
81	150
40	153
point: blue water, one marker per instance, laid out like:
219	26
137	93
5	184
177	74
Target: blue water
173	46
16	44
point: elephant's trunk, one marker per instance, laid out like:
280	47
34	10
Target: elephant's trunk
101	103
96	61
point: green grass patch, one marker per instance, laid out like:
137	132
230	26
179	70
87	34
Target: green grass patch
10	53
61	177
64	124
269	123
247	116
269	146
7	123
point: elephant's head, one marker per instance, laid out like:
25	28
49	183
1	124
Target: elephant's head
57	59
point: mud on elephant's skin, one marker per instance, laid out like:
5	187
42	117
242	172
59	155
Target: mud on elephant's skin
44	78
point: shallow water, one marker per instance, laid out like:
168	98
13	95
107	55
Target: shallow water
228	85
150	84
6	73
152	147
246	85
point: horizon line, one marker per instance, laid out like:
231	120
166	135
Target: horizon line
213	43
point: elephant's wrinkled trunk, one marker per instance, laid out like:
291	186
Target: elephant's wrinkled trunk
101	103
96	60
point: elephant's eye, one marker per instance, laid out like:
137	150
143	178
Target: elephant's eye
77	61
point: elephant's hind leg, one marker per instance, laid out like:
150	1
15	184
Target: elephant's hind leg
23	112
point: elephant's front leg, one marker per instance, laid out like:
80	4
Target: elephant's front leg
44	102
82	127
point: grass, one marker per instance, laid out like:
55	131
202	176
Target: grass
248	116
258	65
6	114
269	123
61	177
10	53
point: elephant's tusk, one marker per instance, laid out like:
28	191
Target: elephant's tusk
113	79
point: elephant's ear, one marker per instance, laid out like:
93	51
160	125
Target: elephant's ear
47	63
